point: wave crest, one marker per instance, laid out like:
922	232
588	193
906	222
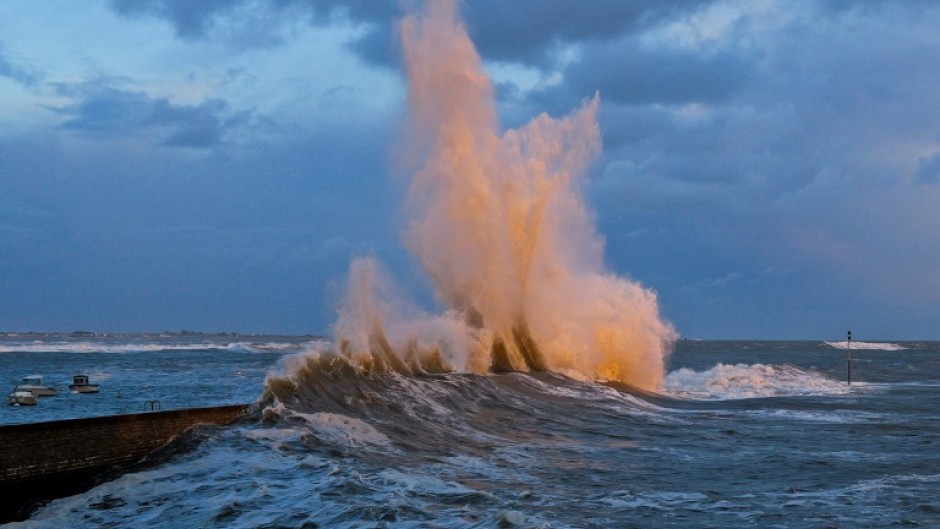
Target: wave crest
875	346
743	381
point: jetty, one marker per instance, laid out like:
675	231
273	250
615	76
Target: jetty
47	460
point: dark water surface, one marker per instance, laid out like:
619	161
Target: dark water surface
745	434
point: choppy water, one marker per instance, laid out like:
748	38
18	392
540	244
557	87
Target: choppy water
178	372
745	434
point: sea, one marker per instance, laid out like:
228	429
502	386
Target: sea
761	434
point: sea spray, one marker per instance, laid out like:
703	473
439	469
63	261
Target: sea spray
379	331
497	222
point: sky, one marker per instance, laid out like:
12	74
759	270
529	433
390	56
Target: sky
771	168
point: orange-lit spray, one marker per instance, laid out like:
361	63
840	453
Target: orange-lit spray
496	221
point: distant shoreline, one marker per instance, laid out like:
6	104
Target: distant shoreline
164	334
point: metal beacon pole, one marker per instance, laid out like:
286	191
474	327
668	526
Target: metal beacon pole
849	359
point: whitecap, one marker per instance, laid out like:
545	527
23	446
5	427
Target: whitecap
874	346
341	429
743	381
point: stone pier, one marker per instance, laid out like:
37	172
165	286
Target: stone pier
40	461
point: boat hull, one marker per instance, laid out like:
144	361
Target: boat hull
83	388
39	391
22	400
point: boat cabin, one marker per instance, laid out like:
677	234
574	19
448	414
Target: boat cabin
32	380
33	384
80	384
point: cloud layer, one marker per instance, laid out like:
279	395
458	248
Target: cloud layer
771	168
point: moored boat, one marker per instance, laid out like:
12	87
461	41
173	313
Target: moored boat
34	385
80	384
21	398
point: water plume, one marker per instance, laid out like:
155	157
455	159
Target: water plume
497	222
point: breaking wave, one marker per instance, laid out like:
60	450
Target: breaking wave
345	405
876	346
742	381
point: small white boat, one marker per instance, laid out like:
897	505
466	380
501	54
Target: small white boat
80	384
34	385
21	398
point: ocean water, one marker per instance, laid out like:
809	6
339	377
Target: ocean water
742	434
133	371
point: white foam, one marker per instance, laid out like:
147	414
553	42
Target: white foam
602	396
830	417
742	381
857	493
277	435
341	430
418	483
876	346
852	455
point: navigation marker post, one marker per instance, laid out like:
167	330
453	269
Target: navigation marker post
849	360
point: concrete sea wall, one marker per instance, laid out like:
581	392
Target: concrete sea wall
49	459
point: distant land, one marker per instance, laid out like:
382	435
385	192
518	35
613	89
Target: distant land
164	334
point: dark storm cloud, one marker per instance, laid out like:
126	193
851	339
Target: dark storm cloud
529	31
627	72
525	31
99	109
241	24
248	24
190	19
21	74
201	125
796	153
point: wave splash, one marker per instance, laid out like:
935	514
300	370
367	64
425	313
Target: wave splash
742	381
497	222
874	346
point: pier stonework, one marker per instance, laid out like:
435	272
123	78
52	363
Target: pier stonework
39	458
